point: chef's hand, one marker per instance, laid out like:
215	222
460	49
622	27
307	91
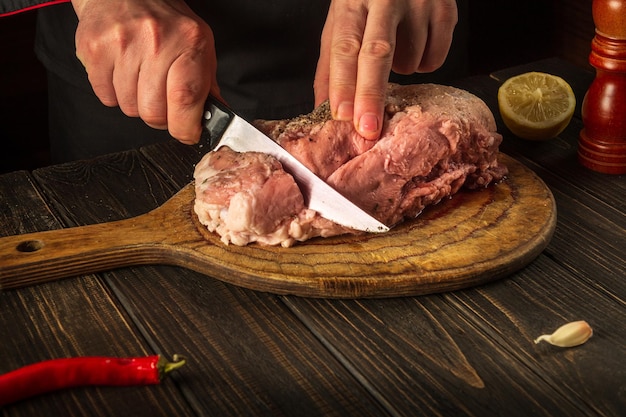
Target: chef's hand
154	59
363	40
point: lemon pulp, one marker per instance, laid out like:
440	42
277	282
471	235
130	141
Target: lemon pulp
536	105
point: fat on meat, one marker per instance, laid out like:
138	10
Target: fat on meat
435	140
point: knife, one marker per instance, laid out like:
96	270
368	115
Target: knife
222	127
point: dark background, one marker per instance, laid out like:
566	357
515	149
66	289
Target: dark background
503	33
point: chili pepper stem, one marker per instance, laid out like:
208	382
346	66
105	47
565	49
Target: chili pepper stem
165	367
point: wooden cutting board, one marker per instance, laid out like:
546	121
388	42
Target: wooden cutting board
470	239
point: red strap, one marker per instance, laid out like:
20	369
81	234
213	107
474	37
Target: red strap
34	7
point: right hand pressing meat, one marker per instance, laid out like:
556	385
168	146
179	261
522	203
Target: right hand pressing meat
154	59
363	40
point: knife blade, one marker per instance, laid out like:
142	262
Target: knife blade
223	127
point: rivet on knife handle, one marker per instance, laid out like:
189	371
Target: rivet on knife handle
215	121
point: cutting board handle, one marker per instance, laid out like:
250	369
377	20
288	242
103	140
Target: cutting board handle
156	237
45	256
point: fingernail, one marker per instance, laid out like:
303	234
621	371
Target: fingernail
345	111
368	123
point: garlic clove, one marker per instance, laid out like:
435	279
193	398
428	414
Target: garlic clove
569	335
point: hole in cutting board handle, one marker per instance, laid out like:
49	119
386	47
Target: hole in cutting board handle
30	246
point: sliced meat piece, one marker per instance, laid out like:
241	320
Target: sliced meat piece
248	197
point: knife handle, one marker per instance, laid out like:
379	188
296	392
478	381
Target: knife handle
215	120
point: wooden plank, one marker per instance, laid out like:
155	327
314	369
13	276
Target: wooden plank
23	206
248	354
487	332
424	363
431	349
76	317
175	160
123	186
471	352
495	362
590	246
399	348
548	296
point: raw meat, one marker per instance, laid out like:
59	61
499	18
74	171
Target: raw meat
248	197
435	139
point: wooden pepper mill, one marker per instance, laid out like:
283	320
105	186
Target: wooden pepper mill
602	142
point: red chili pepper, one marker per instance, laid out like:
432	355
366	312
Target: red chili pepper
56	374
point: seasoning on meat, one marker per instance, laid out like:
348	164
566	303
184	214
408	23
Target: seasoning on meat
435	139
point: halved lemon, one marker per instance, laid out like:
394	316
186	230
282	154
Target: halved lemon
536	105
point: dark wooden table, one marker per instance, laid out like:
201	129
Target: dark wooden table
468	352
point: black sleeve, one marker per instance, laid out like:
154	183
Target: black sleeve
9	7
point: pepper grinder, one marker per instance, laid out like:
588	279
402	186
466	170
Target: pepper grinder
602	141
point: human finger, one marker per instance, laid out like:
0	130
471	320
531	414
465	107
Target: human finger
345	37
188	85
411	38
322	71
443	19
152	93
98	65
125	79
374	65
